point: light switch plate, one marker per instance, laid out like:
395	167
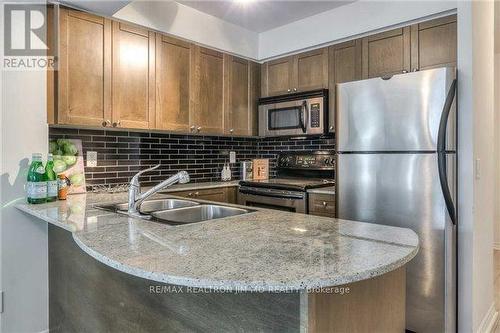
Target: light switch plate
91	158
232	157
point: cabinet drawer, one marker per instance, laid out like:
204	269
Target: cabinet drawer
322	204
211	194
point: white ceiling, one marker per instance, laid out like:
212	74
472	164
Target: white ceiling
262	15
104	7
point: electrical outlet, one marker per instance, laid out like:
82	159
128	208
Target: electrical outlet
91	158
232	157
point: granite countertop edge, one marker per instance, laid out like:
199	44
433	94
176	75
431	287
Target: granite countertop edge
255	286
404	242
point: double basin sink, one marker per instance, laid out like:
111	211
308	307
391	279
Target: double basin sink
178	211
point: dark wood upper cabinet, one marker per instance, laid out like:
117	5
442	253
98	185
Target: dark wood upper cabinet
310	70
122	75
133	98
344	65
386	53
241	85
434	43
84	77
208	84
173	78
301	72
277	76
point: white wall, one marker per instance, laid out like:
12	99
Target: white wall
23	242
476	133
345	22
188	23
497	125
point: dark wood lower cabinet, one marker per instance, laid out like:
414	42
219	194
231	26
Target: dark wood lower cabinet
218	194
322	204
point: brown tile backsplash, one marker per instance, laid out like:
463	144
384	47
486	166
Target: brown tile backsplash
121	154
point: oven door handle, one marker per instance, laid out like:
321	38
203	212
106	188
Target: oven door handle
303	118
271	194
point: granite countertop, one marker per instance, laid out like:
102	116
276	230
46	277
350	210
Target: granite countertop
323	190
265	250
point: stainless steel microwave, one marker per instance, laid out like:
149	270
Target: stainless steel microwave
304	113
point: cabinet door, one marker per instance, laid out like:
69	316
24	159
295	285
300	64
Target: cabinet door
277	77
344	66
322	204
255	81
208	111
434	43
133	77
84	78
212	194
173	76
241	80
310	70
386	53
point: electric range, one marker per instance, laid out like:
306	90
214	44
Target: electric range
296	173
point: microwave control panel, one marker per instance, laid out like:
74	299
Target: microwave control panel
315	115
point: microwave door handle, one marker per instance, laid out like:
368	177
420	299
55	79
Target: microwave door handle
304	117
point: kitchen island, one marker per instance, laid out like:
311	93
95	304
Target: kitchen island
263	271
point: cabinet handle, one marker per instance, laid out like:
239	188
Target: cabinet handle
106	123
192	128
325	203
116	124
405	71
294	89
231	131
198	129
331	128
196	194
415	70
190	194
289	90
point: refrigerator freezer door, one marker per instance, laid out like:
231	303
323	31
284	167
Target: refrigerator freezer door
404	190
397	114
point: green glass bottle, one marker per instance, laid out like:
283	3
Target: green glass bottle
51	179
37	181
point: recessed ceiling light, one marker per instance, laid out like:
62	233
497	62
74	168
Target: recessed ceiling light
243	2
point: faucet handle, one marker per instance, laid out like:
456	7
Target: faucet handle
135	179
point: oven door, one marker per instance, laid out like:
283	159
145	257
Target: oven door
291	201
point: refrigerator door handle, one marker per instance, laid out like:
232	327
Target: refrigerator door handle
441	151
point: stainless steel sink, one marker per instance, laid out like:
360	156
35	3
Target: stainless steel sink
151	205
197	214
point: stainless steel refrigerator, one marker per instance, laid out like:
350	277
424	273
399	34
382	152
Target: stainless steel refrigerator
396	162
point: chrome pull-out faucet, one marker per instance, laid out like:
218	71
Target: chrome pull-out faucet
135	197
